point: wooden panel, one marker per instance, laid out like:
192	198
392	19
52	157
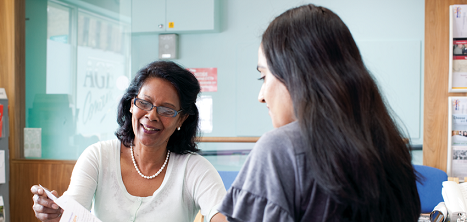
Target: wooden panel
18	110
12	67
52	174
435	131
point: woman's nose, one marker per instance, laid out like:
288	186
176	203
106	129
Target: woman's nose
153	115
260	96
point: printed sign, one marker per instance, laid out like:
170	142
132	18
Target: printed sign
207	78
99	90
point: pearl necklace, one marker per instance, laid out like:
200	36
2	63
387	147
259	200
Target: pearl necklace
139	172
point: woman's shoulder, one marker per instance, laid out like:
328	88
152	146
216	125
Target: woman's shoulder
282	132
284	136
102	147
191	159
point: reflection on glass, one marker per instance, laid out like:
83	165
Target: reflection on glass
58	23
86	72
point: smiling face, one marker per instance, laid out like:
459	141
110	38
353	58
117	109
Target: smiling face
150	128
275	95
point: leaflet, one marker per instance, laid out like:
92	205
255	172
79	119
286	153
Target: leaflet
73	211
458	47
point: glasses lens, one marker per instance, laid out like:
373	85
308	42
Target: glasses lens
164	111
143	104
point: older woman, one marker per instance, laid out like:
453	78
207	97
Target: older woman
315	84
151	171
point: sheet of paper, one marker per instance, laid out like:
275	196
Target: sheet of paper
458	137
73	211
2	166
2	210
32	142
2	93
49	194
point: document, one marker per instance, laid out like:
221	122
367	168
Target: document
2	166
458	48
457	150
73	211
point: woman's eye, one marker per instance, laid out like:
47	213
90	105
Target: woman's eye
262	78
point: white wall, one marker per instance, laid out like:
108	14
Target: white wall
390	35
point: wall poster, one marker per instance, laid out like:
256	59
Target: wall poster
457	138
457	48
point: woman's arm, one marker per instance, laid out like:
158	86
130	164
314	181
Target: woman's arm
83	182
205	185
82	187
219	218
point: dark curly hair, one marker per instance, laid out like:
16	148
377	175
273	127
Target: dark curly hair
181	141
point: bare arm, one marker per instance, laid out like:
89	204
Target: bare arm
218	218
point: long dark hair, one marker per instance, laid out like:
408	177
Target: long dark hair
368	171
187	86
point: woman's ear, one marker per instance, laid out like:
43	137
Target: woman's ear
182	119
131	106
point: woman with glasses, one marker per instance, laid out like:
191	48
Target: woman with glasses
151	172
315	84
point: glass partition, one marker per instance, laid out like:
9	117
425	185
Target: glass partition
77	68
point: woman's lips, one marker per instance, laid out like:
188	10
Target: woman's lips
149	129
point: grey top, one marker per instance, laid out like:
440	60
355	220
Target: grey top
276	183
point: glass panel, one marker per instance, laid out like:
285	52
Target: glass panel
77	68
226	156
58	23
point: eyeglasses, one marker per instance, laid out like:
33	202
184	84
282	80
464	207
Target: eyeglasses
161	110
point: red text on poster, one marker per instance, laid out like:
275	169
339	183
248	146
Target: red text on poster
207	78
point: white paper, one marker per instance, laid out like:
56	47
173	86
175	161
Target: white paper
459	161
2	93
72	210
2	167
2	210
458	48
457	150
32	142
49	194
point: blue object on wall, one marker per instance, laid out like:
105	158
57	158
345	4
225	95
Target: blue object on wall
430	186
228	177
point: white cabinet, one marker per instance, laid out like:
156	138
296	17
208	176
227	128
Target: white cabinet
175	16
148	16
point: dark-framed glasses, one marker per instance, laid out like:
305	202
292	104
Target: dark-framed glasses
161	110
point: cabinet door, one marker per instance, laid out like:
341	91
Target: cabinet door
148	16
192	16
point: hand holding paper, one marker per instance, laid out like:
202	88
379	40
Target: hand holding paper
45	209
73	211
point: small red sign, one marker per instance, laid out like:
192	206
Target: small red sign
207	78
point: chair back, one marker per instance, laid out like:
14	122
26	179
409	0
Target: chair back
430	186
228	177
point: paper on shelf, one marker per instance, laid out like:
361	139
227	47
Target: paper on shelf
2	166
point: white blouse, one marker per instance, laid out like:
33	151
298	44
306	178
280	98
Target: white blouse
191	183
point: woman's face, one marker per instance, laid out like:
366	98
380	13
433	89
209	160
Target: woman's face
274	94
150	128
